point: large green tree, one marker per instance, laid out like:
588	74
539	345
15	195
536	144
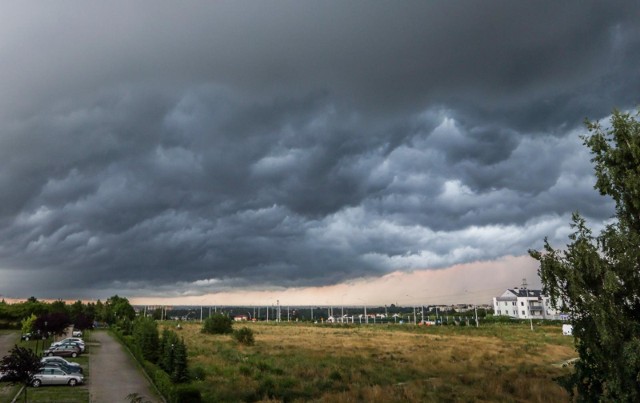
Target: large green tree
597	277
20	365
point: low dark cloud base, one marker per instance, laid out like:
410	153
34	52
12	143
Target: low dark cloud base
299	148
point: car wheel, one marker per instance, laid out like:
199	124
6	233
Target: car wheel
50	354
74	355
72	382
26	338
36	383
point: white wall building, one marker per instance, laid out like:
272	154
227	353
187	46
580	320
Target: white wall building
522	303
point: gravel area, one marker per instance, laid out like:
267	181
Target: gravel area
113	372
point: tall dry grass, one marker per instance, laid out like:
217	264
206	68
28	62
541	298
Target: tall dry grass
401	363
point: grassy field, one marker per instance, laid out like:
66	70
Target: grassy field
384	363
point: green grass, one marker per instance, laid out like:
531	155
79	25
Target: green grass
57	394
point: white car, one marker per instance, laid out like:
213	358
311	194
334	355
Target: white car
77	333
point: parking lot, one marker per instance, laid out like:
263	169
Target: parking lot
111	372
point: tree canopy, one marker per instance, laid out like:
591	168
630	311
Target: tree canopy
597	277
20	365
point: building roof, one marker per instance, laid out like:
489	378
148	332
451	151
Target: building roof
523	292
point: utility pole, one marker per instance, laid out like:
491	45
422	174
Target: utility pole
200	313
526	292
475	308
366	318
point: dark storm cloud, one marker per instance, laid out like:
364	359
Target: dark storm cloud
250	144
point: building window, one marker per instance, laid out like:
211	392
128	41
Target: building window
522	313
513	303
498	312
521	303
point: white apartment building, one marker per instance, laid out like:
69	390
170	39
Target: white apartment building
522	303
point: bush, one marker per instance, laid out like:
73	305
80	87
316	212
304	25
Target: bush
197	373
244	336
218	324
188	394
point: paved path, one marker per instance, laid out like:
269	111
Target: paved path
7	342
113	373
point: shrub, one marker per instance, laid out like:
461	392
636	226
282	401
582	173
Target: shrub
197	373
188	394
145	334
218	324
244	336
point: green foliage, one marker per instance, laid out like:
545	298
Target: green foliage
597	278
145	334
161	379
218	324
188	394
244	336
116	309
27	324
20	364
173	358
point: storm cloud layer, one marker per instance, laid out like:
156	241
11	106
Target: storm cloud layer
242	145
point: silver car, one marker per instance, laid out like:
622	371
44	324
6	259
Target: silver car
55	376
68	340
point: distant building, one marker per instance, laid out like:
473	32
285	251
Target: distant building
241	318
523	303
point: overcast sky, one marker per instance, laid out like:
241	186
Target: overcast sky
168	150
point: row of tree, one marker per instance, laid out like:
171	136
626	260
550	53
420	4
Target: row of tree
54	317
169	352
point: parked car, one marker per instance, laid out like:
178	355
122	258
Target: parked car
56	376
70	340
70	343
74	339
77	333
63	351
33	336
73	366
66	368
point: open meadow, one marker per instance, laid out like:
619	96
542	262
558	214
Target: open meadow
384	363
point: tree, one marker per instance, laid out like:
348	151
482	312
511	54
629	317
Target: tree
180	373
597	278
55	323
218	324
173	359
145	334
20	366
27	324
118	308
